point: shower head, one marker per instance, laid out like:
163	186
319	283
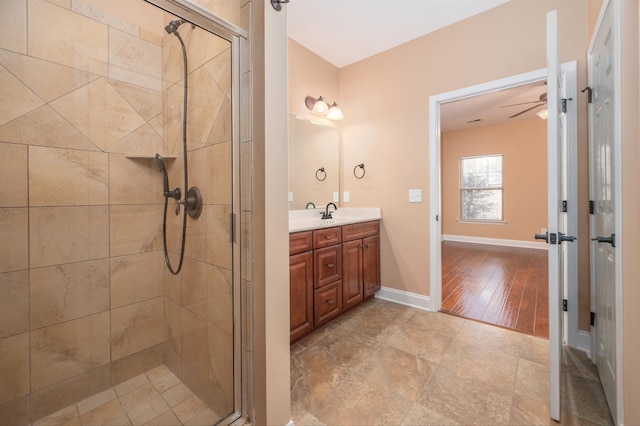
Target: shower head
173	26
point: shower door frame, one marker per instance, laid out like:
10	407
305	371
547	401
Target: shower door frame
238	38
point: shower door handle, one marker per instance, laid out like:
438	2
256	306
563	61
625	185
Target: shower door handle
233	227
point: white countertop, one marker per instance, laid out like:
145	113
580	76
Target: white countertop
304	220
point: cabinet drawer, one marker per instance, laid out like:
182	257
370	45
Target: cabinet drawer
327	265
360	230
326	237
300	242
327	302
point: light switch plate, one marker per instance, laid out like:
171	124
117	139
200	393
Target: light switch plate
345	196
336	196
415	195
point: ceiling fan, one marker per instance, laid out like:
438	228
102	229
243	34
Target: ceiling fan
542	100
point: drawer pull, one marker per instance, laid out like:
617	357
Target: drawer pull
328	237
331	301
330	265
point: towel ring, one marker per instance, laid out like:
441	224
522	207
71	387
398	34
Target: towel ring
321	174
361	165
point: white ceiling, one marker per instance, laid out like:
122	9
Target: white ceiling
346	31
492	108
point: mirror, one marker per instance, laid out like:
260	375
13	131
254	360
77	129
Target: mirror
312	147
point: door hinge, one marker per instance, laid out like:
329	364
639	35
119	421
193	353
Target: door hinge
565	305
564	104
592	207
593	319
437	217
564	206
589	91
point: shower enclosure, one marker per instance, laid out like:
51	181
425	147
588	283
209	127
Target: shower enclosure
92	90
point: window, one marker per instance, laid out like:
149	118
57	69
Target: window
481	188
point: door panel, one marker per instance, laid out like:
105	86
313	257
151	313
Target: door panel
555	222
301	295
601	69
371	265
351	273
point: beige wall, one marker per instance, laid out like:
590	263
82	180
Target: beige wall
387	127
630	247
270	215
310	75
524	148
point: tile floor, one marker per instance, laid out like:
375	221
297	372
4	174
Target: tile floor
156	398
385	363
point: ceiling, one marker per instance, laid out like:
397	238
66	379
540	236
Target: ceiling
491	108
346	31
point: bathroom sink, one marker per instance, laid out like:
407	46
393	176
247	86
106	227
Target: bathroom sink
304	220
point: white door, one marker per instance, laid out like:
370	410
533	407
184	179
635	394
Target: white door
601	68
556	237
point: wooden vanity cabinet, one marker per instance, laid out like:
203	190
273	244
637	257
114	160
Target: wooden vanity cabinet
331	270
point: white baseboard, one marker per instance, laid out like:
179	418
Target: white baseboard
583	342
495	241
405	298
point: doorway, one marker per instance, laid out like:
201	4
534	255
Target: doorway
494	196
438	197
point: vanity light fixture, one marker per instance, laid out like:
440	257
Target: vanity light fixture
319	106
543	114
335	113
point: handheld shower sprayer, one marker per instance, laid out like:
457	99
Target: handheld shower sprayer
193	197
173	26
176	193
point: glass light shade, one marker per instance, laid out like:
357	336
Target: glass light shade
335	113
320	107
543	114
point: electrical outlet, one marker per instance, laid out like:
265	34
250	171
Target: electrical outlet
336	196
290	196
345	196
415	195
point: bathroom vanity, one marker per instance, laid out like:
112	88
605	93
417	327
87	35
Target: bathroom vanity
333	265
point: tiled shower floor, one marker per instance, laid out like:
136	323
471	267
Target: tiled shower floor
157	397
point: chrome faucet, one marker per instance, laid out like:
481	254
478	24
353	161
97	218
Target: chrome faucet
327	214
310	204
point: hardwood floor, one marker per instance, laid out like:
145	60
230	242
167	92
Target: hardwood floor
505	286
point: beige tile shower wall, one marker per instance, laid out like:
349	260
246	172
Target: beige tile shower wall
81	267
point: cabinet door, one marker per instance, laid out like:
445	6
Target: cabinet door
301	295
327	302
371	265
327	265
352	273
